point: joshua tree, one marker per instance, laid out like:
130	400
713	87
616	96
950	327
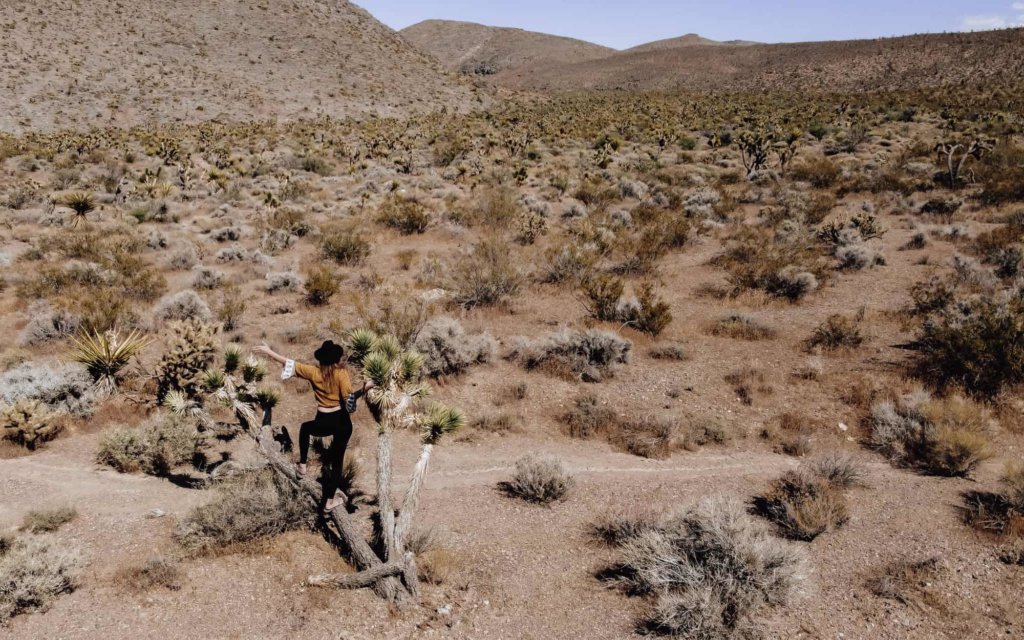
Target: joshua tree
397	390
956	154
754	148
82	204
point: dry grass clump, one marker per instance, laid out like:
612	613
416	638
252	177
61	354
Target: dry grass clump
741	327
647	437
709	571
619	526
247	507
34	571
589	418
837	332
48	520
789	267
1000	513
945	437
908	582
747	382
488	276
792	434
582	355
673	352
344	245
321	285
407	215
448	350
437	560
184	305
155	448
160	573
538	480
803	505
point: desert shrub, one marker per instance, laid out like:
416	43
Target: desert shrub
155	448
906	581
838	469
158	572
66	388
622	525
793	434
489	275
190	348
407	215
789	267
29	423
206	278
647	437
709	572
183	305
976	343
803	505
283	281
231	308
447	349
586	355
244	508
746	381
674	352
741	327
47	324
34	571
321	285
704	432
945	437
1001	174
48	520
497	208
1000	513
589	417
538	480
645	312
400	315
821	172
837	332
344	245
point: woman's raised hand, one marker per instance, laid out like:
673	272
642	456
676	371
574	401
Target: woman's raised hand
263	350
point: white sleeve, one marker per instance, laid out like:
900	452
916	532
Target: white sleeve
289	370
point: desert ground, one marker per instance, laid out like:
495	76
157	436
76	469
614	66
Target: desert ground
700	364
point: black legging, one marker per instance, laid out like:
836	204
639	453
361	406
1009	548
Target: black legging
337	426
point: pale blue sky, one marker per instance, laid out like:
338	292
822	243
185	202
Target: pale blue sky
625	23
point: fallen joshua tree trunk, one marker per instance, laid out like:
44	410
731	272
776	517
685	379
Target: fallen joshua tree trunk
393	401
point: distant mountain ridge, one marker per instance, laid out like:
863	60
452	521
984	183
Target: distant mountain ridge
481	50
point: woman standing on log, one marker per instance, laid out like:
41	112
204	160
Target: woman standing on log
335	400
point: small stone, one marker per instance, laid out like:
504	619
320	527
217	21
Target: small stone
156	513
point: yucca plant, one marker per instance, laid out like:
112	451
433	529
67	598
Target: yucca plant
254	370
82	204
233	355
105	355
213	380
268	397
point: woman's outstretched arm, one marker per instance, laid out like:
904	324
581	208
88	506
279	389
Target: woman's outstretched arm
265	351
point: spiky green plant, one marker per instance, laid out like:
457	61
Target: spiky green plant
105	355
233	355
268	397
361	342
254	370
213	379
82	204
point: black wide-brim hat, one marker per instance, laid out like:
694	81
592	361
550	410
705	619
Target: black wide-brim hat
328	354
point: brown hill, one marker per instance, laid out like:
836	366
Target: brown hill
478	49
73	63
689	40
892	63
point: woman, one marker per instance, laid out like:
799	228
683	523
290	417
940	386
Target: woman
335	401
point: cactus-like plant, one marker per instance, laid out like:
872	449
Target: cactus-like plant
105	355
190	351
29	423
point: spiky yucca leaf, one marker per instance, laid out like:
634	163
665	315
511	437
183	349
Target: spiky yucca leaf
213	379
379	368
254	370
232	358
388	345
410	365
81	203
361	343
268	397
105	354
439	420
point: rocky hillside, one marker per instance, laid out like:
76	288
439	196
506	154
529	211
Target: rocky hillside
892	63
481	50
689	40
79	63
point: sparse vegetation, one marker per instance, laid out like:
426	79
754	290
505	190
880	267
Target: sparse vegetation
538	480
34	571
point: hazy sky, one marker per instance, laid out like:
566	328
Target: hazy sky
625	23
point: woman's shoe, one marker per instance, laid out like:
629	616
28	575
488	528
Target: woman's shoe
301	469
335	503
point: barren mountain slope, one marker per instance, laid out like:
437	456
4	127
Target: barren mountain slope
475	48
893	63
73	63
689	40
